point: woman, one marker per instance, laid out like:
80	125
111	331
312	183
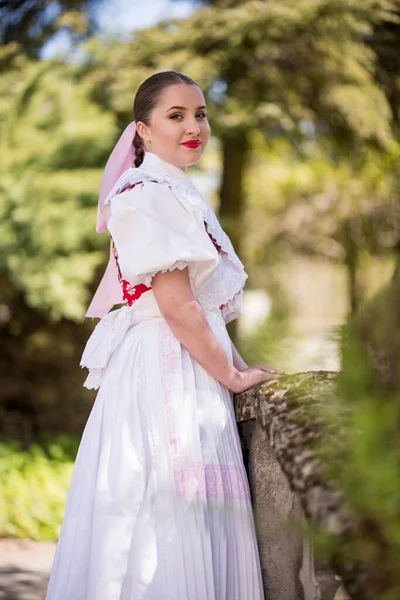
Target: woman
159	504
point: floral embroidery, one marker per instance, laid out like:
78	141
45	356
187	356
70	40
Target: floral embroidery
130	289
131	293
219	481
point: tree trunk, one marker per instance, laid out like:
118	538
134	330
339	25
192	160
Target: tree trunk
351	262
231	209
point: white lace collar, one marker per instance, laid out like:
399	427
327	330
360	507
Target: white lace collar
152	167
154	162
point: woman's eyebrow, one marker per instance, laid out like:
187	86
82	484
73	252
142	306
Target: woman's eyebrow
184	107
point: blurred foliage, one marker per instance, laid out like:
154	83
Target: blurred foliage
362	449
32	22
53	142
33	487
270	343
344	209
53	138
270	64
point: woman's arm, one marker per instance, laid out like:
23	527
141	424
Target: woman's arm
188	323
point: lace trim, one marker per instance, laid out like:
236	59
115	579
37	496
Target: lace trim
94	380
104	340
179	264
139	175
222	286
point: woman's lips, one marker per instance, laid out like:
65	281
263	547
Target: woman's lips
191	144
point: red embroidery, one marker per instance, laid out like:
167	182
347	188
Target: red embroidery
130	186
130	293
219	249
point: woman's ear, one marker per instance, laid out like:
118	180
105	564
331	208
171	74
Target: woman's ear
143	131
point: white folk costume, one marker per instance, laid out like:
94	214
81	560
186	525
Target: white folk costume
159	505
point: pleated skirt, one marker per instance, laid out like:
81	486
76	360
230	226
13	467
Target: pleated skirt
159	504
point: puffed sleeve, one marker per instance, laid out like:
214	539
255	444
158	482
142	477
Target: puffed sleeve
154	231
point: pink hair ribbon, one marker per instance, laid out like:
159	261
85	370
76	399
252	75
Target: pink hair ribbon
121	158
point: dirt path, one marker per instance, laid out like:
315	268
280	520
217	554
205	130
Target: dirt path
24	569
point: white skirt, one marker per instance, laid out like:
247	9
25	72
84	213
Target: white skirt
159	505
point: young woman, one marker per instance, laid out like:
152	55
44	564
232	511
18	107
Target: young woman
159	505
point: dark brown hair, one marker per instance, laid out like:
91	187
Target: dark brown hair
147	98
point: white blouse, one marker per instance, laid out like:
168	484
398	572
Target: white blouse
160	225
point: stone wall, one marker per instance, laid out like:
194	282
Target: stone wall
279	423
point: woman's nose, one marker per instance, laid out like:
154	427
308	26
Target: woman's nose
192	127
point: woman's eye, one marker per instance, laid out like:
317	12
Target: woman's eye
201	115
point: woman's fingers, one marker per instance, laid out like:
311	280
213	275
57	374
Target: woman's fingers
269	369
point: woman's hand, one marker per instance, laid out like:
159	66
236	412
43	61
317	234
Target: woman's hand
253	375
269	369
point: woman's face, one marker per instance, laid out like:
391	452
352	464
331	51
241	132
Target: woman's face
180	116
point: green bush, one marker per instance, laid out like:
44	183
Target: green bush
33	487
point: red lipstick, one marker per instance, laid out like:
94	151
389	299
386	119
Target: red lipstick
192	144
